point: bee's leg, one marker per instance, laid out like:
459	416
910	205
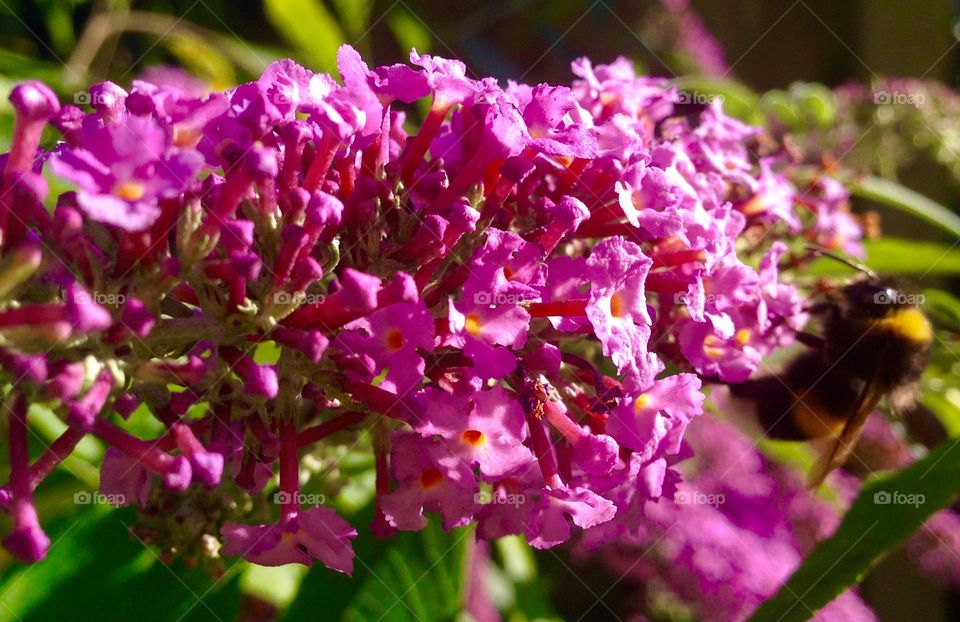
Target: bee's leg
813	342
820	308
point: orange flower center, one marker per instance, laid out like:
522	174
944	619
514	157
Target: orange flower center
472	324
713	347
185	137
130	190
618	307
474	438
642	401
394	339
430	478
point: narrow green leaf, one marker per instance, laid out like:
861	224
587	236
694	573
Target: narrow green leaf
96	570
900	197
738	100
943	309
419	578
409	31
203	60
310	28
946	405
816	103
354	15
889	508
898	256
59	22
409	577
275	585
781	106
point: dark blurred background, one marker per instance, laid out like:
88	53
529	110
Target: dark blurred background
764	44
767	43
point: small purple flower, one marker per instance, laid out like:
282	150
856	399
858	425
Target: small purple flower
617	309
391	339
318	533
652	423
123	169
488	433
431	478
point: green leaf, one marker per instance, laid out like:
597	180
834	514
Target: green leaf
816	103
59	22
81	462
900	197
310	28
898	256
275	585
517	588
738	100
779	104
96	570
888	510
409	31
203	60
252	58
354	15
410	577
946	405
942	308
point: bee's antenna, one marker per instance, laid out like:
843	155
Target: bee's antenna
856	265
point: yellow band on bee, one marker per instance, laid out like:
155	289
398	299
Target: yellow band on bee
909	323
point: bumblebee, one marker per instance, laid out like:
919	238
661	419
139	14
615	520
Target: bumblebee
875	345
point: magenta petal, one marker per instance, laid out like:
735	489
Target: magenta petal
28	544
123	479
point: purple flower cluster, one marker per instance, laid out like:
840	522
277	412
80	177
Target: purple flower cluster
740	523
734	531
487	305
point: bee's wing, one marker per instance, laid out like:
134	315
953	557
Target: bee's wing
844	443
